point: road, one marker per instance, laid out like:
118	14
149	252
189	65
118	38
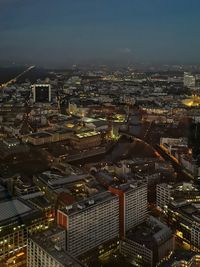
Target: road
17	77
178	168
163	154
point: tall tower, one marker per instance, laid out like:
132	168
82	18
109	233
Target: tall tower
41	93
189	80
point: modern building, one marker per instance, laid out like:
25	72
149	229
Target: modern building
148	244
18	219
163	195
184	217
189	80
192	262
195	237
90	223
53	182
132	204
176	193
48	249
41	93
171	145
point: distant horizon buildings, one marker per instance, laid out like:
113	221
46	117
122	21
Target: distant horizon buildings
189	80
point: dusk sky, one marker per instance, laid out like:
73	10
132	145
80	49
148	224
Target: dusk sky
59	32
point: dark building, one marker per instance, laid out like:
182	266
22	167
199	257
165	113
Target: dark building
42	93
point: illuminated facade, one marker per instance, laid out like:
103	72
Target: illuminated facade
18	220
48	249
195	237
189	80
148	244
90	223
85	140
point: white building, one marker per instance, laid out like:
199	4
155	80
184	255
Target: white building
48	249
132	205
173	144
163	195
90	223
189	80
135	205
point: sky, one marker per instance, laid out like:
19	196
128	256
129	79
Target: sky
65	32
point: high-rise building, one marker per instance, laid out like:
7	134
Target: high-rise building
90	223
195	237
41	93
163	195
104	217
132	205
48	249
189	80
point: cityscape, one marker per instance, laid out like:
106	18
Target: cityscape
99	148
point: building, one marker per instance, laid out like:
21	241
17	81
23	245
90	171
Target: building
132	204
54	182
148	244
12	142
90	223
176	193
41	93
163	195
195	237
47	137
48	249
171	145
192	262
189	80
18	219
87	139
184	216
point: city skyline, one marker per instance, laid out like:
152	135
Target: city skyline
99	32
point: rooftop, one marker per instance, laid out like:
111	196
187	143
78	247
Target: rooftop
40	135
46	241
88	203
13	208
150	233
87	134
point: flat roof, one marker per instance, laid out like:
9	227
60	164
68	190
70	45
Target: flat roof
12	208
88	203
45	241
150	233
40	135
87	134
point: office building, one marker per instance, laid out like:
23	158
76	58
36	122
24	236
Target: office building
163	195
19	219
132	204
189	80
192	262
41	93
195	237
48	249
148	244
90	223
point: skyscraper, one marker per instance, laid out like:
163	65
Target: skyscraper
42	93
